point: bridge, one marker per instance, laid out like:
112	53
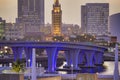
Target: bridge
75	53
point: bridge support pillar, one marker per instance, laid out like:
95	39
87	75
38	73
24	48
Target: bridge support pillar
28	52
17	51
81	58
89	58
33	65
98	58
68	59
52	58
74	58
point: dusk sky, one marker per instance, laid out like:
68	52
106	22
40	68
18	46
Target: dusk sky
70	9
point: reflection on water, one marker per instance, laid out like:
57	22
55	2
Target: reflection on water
97	69
106	69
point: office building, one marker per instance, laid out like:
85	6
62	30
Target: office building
13	32
115	25
2	28
94	18
30	16
28	7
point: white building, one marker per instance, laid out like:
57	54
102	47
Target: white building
13	32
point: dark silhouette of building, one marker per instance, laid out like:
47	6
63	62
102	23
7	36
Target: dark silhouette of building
2	28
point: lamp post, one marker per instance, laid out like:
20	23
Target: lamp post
72	70
29	77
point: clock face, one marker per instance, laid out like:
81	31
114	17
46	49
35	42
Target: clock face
57	9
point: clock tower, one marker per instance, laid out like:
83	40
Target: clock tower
56	18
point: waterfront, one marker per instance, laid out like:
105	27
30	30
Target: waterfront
105	72
108	70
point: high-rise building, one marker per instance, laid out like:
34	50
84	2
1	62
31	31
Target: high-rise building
28	7
94	18
56	18
30	16
114	21
2	28
83	19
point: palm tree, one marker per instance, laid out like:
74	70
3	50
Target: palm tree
18	66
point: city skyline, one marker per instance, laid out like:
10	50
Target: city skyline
71	9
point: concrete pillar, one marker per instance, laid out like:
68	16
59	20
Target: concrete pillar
89	58
28	52
33	65
17	51
74	57
52	58
116	66
68	58
81	58
98	58
56	53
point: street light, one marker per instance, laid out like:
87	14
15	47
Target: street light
5	47
29	77
72	71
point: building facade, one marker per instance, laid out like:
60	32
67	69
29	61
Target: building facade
30	23
70	29
30	16
27	7
2	28
56	18
94	18
115	25
13	32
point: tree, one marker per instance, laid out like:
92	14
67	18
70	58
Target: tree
18	66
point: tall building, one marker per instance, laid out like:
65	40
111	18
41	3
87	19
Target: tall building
30	16
2	28
56	18
115	25
94	18
28	7
83	19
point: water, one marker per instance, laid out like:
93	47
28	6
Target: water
106	69
110	68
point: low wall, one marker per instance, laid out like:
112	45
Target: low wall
86	76
50	78
105	77
11	77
